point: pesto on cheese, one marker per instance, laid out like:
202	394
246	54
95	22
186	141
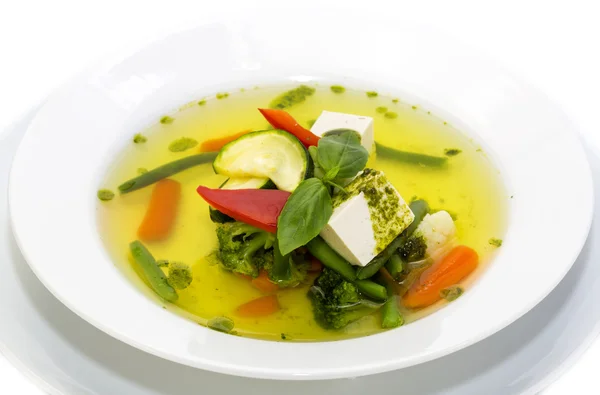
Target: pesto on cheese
389	214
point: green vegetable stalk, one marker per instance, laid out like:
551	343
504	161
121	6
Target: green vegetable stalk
282	265
321	250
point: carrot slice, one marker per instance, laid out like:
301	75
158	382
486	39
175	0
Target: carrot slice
244	276
216	144
455	266
161	212
263	284
260	307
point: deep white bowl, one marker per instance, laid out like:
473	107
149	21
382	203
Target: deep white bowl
74	137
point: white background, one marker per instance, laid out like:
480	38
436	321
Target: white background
553	44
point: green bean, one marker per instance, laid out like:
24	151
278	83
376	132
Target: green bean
165	171
371	289
395	265
380	260
410	157
154	274
419	209
320	250
390	313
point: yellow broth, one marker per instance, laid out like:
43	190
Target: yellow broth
469	188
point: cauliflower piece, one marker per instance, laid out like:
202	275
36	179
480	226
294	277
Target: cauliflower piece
437	229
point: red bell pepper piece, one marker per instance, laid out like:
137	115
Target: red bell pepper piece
256	207
280	119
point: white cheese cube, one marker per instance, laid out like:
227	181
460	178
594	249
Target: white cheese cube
336	120
366	220
350	231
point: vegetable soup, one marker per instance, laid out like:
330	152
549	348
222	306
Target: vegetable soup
302	213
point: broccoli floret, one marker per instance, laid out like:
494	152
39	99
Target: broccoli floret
243	248
296	273
246	250
180	275
414	249
300	265
337	302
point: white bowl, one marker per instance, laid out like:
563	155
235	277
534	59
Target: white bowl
65	153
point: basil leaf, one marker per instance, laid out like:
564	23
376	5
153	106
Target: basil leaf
304	215
341	148
341	131
331	174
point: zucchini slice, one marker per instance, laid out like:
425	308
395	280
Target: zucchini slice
273	154
248	183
